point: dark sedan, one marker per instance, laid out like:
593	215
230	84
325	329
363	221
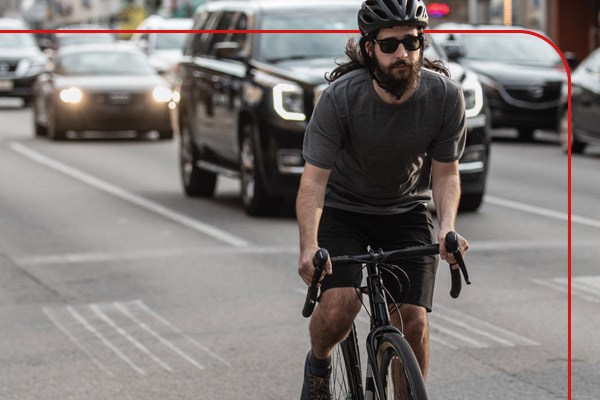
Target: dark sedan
21	61
101	88
521	74
585	106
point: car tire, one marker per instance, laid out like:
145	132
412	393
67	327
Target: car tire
55	130
38	128
165	134
577	147
470	202
526	134
196	181
256	201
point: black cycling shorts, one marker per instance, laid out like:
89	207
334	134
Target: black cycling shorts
347	233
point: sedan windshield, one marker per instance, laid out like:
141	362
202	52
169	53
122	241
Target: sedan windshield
105	63
280	47
514	48
70	39
170	41
16	41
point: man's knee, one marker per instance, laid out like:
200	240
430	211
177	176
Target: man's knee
339	305
415	321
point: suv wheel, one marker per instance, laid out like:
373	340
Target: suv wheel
256	201
470	201
526	134
196	182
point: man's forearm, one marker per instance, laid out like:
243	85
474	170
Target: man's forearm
309	207
446	195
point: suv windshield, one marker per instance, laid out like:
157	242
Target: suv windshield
105	63
279	47
516	48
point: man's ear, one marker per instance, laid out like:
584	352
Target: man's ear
369	48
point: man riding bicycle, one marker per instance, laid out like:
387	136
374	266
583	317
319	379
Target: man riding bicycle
383	141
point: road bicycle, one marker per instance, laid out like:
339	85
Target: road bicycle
392	368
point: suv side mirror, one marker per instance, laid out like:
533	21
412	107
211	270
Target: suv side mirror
454	50
227	50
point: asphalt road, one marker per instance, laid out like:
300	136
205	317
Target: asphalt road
114	285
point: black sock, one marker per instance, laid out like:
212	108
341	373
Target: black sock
317	363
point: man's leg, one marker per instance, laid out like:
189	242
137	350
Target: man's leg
416	331
332	319
330	324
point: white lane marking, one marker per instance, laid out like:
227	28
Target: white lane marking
76	342
93	257
487	325
130	338
459	336
581	287
104	340
576	219
175	329
437	339
157	336
130	197
474	330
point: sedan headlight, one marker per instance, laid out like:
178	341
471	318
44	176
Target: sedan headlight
288	101
31	66
473	94
71	95
162	94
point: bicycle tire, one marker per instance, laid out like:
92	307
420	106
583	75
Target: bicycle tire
393	346
346	376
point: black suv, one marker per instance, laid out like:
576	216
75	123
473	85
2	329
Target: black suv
246	98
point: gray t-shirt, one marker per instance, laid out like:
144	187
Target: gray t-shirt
380	154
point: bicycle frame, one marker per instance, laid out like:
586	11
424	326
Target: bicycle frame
380	324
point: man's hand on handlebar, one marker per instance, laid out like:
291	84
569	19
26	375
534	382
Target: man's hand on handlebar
306	267
463	246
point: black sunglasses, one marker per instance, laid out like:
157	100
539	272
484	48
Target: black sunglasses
390	45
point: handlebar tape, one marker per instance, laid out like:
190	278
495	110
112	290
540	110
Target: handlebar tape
451	241
319	261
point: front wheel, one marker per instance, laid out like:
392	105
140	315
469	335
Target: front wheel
254	196
196	181
346	378
399	370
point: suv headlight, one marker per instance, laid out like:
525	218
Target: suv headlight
288	101
473	94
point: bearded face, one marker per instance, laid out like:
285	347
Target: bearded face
399	76
397	69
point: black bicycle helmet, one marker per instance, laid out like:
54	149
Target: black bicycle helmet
380	14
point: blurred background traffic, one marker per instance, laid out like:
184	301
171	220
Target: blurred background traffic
195	86
133	166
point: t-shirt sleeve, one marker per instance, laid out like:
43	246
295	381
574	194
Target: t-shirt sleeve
450	143
323	136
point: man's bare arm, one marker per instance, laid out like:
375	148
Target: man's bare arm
309	207
446	195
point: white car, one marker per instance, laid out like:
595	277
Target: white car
164	49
